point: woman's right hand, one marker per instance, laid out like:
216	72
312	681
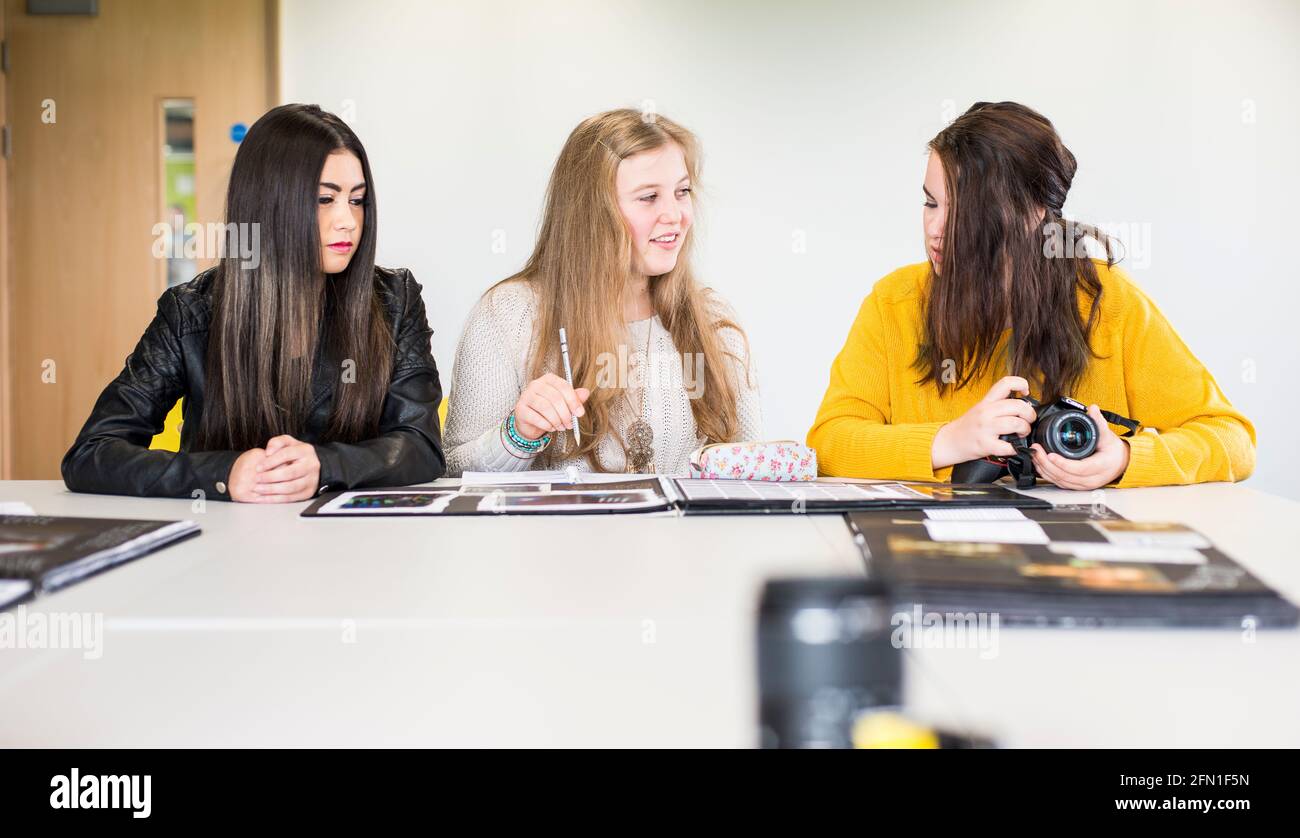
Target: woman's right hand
243	476
977	433
548	405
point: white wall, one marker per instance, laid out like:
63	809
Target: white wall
814	119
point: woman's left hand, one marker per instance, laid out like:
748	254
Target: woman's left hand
289	473
1105	465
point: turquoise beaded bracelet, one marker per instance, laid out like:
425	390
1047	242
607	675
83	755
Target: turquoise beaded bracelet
530	446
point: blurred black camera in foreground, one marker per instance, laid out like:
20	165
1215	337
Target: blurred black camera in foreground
829	672
824	657
1062	427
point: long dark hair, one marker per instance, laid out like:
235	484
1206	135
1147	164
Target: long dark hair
270	321
1003	164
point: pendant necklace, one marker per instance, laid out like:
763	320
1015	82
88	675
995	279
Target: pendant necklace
640	436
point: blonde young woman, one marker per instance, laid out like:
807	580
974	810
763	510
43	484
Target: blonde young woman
660	365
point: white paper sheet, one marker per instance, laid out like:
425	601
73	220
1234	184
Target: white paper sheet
987	532
1117	532
508	478
1095	551
438	500
976	513
808	490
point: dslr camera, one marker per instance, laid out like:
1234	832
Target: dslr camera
1062	427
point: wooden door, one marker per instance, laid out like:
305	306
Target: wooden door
86	183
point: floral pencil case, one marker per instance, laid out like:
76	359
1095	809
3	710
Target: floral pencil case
782	460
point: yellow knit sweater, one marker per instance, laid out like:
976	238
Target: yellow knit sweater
876	421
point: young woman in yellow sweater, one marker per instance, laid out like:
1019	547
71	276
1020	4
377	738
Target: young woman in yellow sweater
1010	303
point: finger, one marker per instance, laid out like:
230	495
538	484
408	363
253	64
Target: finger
547	408
1011	425
550	420
1105	434
279	498
288	471
1013	407
275	443
1079	469
1025	410
553	381
1041	466
529	416
571	398
1049	472
568	404
583	394
258	497
558	405
1041	460
281	457
1001	448
1005	386
287	454
251	463
291	487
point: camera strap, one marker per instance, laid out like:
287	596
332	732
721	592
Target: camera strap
1021	466
1123	421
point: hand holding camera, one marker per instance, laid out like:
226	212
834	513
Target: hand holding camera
982	430
1107	462
1064	442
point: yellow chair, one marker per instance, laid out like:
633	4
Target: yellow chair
170	438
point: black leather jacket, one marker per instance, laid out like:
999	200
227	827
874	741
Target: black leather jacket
112	456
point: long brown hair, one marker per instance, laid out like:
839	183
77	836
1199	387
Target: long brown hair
1003	165
270	320
583	264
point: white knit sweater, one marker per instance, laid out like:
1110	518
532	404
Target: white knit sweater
491	370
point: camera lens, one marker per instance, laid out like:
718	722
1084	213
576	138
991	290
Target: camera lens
1071	434
826	652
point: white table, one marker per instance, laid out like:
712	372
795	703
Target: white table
271	629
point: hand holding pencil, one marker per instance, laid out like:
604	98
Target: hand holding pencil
551	404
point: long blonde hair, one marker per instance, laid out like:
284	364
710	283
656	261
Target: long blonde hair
584	262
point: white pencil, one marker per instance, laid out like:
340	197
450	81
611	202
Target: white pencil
568	374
